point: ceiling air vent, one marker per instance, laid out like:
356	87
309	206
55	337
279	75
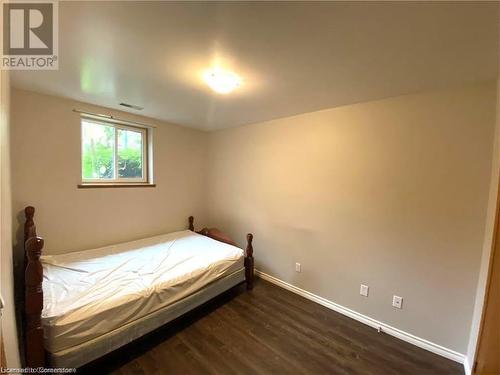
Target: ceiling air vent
132	106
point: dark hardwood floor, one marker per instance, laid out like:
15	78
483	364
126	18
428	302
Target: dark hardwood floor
269	331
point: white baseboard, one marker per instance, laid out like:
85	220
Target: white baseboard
467	367
405	336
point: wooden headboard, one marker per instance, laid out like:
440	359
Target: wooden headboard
220	236
212	233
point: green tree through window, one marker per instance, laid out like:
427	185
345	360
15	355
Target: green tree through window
102	143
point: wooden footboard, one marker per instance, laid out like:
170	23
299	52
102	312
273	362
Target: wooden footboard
216	234
33	295
33	245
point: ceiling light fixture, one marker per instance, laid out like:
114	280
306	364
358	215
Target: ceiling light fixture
222	81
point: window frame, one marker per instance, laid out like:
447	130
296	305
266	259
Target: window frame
146	133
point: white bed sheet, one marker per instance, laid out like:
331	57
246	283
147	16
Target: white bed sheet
79	355
90	293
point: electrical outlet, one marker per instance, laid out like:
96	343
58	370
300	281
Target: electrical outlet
397	302
363	290
298	267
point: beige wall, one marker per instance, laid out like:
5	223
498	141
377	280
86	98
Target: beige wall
46	170
488	238
8	321
391	193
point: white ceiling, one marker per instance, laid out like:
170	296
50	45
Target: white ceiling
293	57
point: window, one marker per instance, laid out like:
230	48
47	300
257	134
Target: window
113	153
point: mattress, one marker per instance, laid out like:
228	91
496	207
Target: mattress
90	293
79	355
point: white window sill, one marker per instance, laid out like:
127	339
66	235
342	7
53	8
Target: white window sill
91	185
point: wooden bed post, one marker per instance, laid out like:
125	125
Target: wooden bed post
249	262
29	230
29	224
222	237
35	353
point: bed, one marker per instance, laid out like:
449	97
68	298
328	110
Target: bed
82	305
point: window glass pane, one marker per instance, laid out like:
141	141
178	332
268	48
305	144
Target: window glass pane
98	143
129	154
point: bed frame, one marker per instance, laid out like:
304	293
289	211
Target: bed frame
33	245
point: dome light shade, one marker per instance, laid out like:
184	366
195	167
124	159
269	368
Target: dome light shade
222	81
